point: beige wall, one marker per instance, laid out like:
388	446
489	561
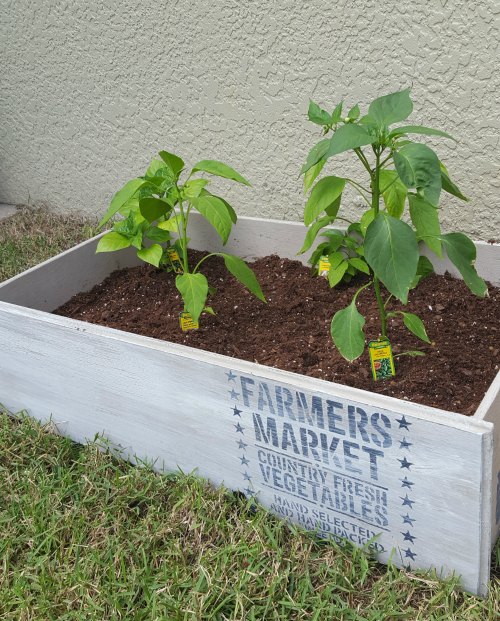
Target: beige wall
91	90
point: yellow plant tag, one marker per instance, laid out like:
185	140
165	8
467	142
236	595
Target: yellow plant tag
187	322
324	266
381	359
173	255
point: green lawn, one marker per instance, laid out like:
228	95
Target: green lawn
86	536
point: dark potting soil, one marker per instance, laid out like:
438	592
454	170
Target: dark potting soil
292	331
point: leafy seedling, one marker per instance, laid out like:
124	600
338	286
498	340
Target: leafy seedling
156	209
400	173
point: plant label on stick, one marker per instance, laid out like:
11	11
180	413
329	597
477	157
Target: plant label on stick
174	260
324	266
381	359
187	322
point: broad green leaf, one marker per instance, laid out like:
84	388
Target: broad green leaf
337	113
462	253
152	254
393	192
174	163
316	154
193	187
391	250
312	233
347	331
157	167
230	210
418	167
333	209
153	208
130	225
157	235
156	185
366	220
449	186
424	268
240	270
194	290
347	137
415	326
418	129
215	211
173	224
136	240
122	197
359	264
130	206
425	218
113	241
318	115
323	194
318	253
220	170
391	108
336	273
336	258
353	112
312	173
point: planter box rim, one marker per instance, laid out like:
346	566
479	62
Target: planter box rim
425	412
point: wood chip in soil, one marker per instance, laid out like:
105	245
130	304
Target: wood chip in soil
292	331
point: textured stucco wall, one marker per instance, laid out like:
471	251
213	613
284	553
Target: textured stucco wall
91	90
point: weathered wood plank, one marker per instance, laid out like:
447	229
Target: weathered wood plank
489	410
322	455
53	282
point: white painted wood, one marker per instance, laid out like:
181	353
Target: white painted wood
138	393
51	283
256	237
55	281
489	410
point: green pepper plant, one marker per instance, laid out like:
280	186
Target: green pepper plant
381	244
156	209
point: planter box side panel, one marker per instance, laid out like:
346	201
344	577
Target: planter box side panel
50	284
489	410
256	237
54	282
341	465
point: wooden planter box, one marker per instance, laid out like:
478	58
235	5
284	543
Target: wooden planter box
417	484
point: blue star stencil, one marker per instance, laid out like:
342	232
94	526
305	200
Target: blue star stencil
236	412
408	520
408	536
231	377
409	554
404	444
239	428
241	445
403	423
246	476
250	492
233	394
407	501
406	483
405	463
244	461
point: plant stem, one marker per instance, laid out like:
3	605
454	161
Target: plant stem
375	207
359	189
183	233
212	254
364	161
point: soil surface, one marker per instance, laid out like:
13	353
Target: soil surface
292	331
